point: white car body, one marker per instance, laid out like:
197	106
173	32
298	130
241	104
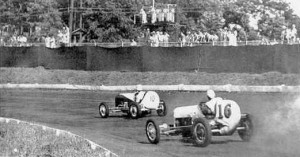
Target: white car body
147	99
135	104
229	121
199	123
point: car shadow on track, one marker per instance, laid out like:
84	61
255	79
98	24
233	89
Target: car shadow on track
125	116
162	140
143	142
114	116
225	141
189	142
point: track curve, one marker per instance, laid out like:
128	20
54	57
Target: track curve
77	111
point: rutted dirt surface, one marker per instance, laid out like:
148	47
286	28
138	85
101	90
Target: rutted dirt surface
275	114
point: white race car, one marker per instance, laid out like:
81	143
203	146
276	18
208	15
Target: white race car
192	122
135	104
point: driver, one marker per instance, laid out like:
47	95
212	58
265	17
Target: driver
209	108
215	109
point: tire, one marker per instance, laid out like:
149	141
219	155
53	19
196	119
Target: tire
103	110
152	131
134	110
164	110
201	132
246	134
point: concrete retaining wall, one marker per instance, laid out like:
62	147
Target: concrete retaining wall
181	87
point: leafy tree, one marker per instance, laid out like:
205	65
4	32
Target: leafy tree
205	15
25	16
111	22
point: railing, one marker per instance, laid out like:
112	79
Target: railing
161	44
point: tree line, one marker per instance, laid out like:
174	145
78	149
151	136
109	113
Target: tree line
114	20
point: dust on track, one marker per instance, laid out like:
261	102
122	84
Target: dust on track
275	117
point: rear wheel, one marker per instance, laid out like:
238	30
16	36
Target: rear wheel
162	111
134	110
103	110
201	132
247	132
152	131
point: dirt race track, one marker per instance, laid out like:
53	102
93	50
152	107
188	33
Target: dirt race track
276	122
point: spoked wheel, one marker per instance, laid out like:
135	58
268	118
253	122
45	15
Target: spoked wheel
247	132
152	131
134	110
201	132
103	110
162	111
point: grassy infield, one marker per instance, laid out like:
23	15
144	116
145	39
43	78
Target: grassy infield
27	140
42	76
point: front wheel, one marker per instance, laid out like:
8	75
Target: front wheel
103	110
152	131
201	132
162	110
247	124
134	110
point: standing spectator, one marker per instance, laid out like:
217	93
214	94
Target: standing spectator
165	14
144	16
1	41
159	14
66	37
172	15
283	34
153	15
13	40
189	38
22	40
182	39
232	35
288	35
47	41
160	37
60	37
151	39
133	43
147	36
166	39
225	36
293	33
154	39
50	41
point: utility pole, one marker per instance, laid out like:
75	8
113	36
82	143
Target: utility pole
177	20
80	22
71	12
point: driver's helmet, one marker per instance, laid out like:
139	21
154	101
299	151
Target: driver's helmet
210	94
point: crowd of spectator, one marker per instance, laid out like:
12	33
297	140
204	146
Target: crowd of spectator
228	37
289	34
157	38
50	40
163	14
14	40
62	38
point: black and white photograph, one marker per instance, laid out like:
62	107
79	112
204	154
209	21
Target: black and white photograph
149	78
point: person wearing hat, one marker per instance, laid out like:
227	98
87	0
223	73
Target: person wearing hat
209	108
